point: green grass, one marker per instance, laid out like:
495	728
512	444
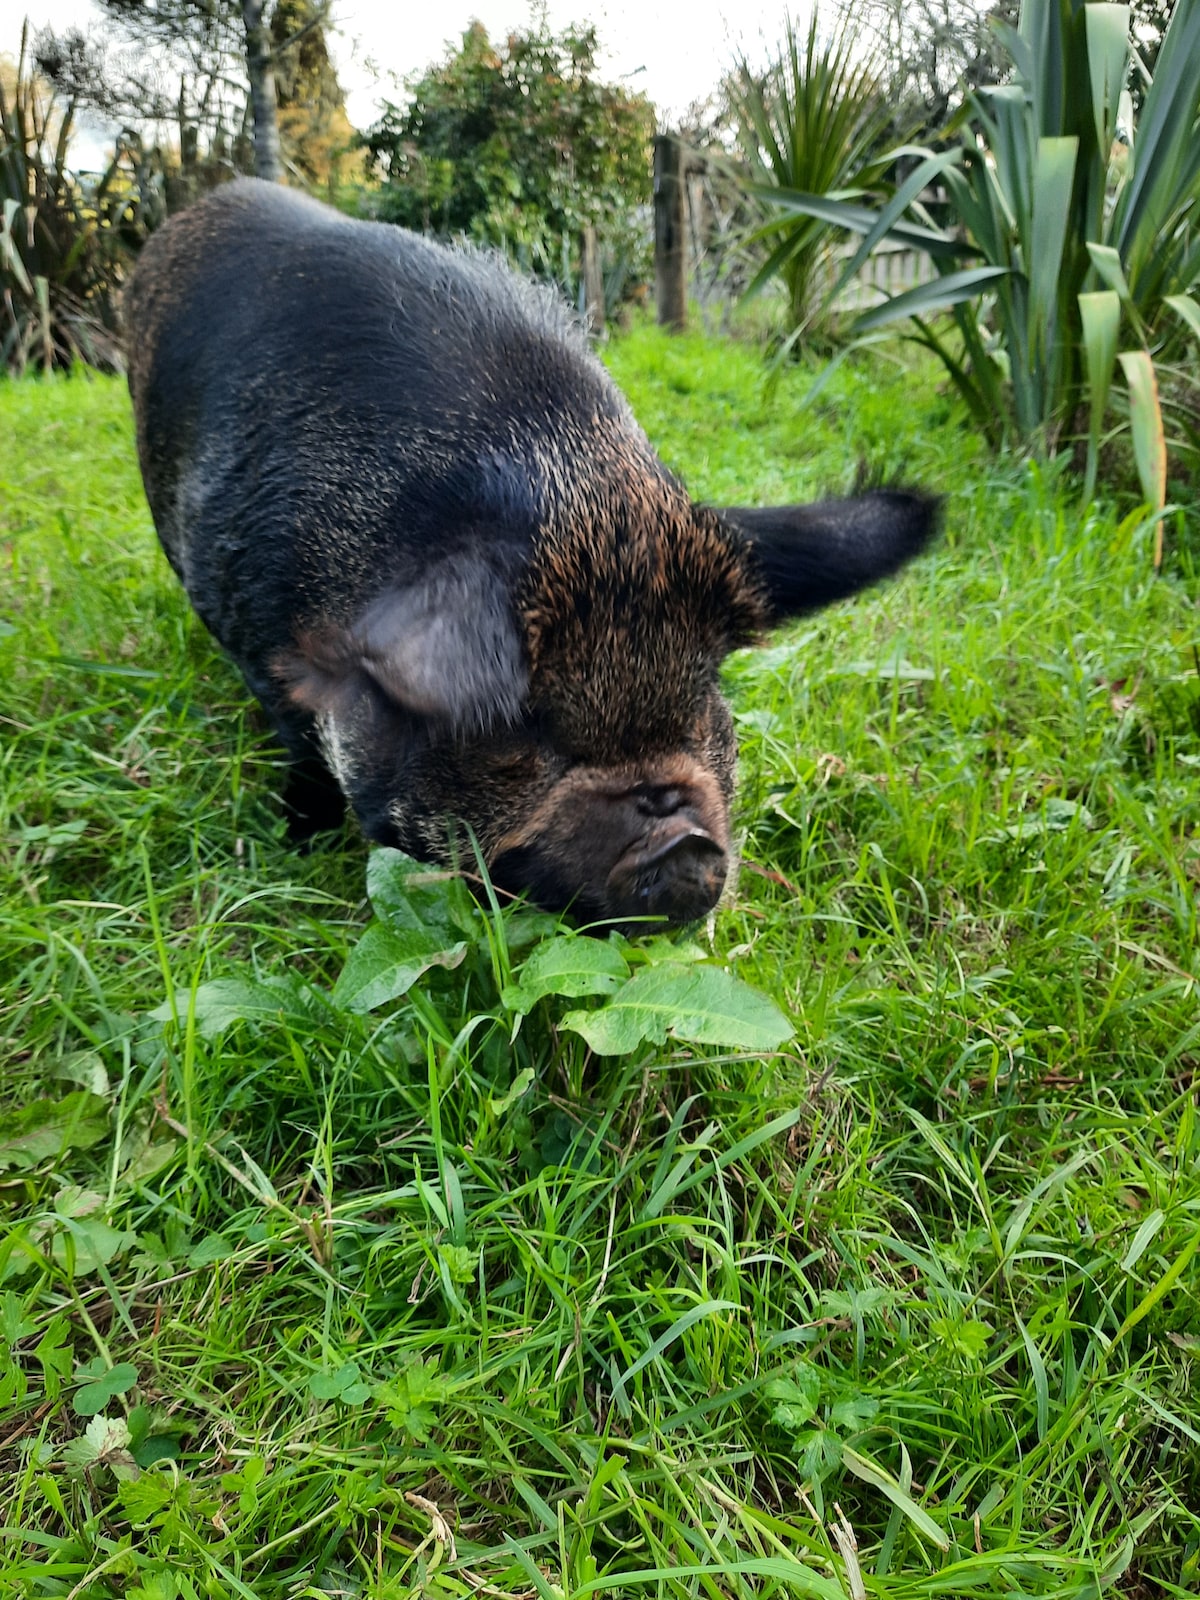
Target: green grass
671	1324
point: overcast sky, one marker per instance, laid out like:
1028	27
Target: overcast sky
675	51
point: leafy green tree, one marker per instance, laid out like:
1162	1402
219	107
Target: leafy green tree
931	53
519	145
314	130
207	69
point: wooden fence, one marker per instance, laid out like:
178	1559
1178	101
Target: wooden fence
685	214
889	270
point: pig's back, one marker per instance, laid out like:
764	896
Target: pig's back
324	405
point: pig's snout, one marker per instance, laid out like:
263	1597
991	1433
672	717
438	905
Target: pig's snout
677	872
615	850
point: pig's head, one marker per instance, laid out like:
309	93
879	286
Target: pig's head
562	699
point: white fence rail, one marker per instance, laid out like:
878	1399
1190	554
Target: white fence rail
889	270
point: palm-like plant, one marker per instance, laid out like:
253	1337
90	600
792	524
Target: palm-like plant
815	121
1080	232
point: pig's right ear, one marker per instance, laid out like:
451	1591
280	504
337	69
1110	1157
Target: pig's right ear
445	647
809	556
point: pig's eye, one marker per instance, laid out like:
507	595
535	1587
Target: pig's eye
534	725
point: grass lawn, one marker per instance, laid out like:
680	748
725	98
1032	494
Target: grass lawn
315	1291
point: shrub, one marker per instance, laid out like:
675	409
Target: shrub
520	146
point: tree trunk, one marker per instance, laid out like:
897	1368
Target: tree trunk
267	161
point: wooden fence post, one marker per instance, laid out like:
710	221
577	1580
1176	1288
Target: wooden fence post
670	233
593	281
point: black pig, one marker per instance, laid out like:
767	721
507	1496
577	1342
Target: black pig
418	514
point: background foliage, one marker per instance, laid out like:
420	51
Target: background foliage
814	122
64	245
519	145
175	71
1073	234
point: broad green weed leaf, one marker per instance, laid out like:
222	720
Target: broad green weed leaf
853	1412
149	1438
460	1262
387	961
53	1351
412	896
14	1385
221	1002
147	1500
968	1337
244	1483
345	1385
85	1068
212	1248
566	966
819	1452
412	1396
702	1005
144	1156
657	949
158	1447
1056	815
794	1398
47	1128
14	1324
88	1243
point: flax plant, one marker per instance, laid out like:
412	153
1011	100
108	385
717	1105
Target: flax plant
1073	257
815	121
64	246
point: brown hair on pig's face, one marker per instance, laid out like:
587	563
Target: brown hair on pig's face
633	839
624	634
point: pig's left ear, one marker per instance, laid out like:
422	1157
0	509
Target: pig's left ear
809	556
445	647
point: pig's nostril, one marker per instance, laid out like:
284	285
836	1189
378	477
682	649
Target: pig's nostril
660	800
695	843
